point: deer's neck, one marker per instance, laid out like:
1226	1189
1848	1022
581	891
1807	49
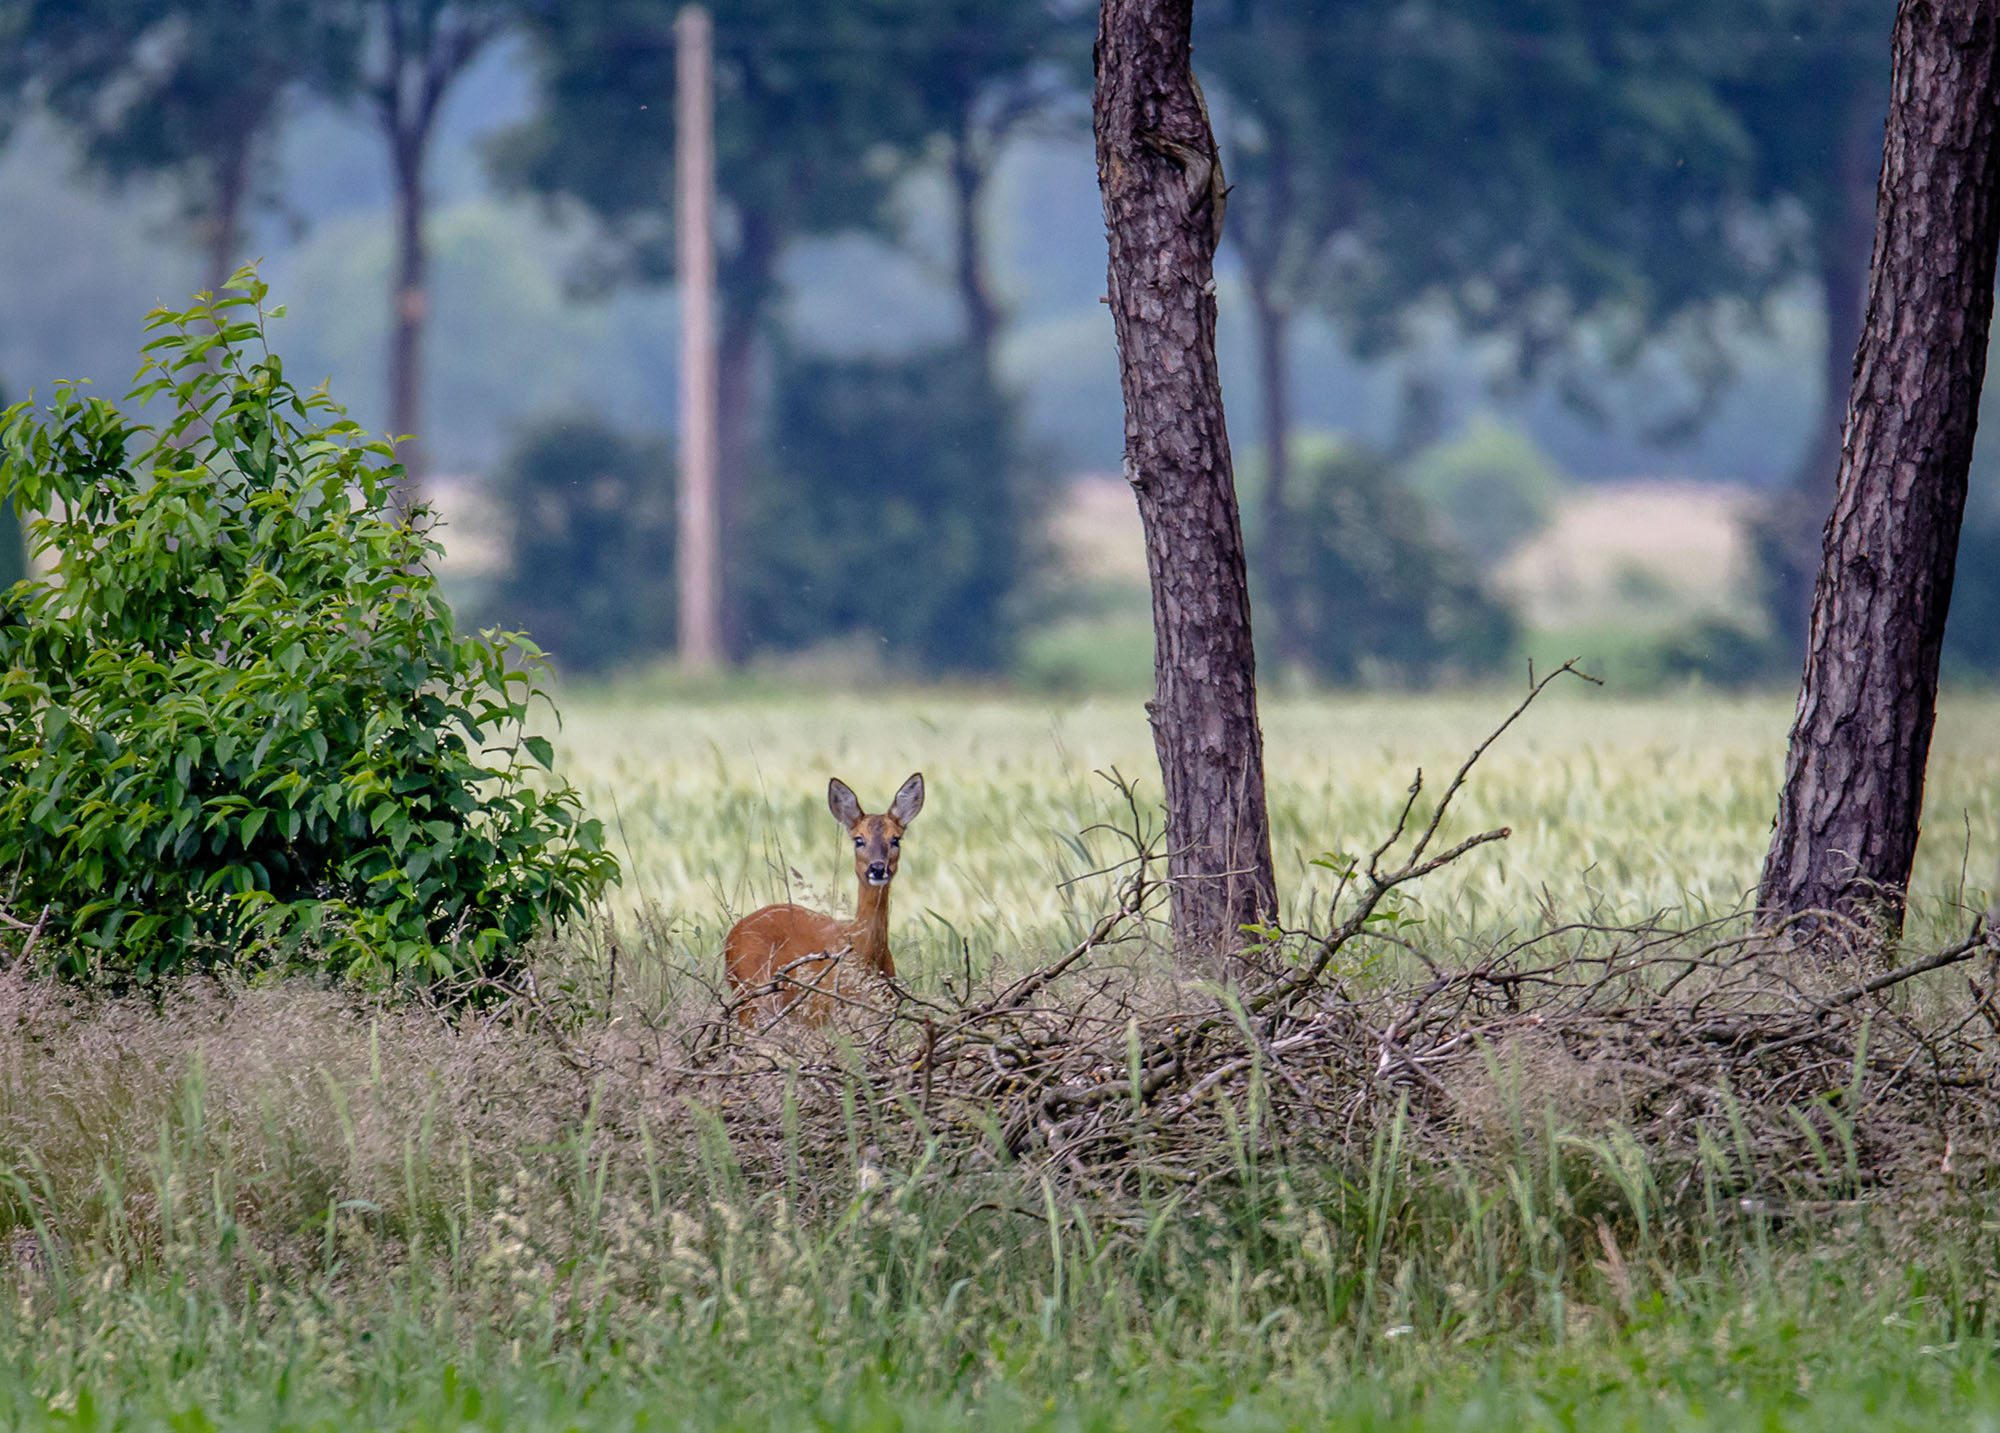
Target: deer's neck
870	929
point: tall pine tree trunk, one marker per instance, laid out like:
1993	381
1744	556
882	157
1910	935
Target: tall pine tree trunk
975	289
1846	832
1162	184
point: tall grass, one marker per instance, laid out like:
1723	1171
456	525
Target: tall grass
286	1207
276	1211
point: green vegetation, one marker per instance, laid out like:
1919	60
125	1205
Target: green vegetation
590	567
266	1213
892	512
280	1208
1490	487
236	723
1619	807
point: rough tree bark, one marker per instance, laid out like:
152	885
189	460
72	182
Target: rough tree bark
1161	178
1846	832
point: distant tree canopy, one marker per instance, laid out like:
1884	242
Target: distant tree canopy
191	90
1563	176
822	107
1580	181
1532	163
881	511
590	513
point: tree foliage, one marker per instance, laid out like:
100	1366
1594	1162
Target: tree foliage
236	724
591	571
1382	597
805	130
822	107
883	511
190	90
1531	163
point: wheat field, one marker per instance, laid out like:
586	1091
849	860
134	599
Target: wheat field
1620	808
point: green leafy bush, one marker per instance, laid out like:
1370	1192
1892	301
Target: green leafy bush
236	723
1490	485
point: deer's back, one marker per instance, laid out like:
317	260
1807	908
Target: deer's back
767	940
777	944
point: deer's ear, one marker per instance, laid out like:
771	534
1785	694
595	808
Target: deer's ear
909	800
840	801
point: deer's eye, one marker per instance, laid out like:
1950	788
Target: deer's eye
896	841
859	842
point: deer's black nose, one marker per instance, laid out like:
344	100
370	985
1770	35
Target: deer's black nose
878	871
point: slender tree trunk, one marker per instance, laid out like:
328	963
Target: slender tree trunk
975	290
1846	831
1275	546
1161	178
748	278
225	220
420	49
1800	521
409	307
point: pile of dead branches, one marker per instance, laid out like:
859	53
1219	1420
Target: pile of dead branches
1790	1069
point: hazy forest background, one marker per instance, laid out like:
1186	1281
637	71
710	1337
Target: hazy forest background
1547	300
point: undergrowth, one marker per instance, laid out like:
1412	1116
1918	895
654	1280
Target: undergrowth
569	1206
279	1208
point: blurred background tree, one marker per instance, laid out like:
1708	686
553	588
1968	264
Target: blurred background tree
1385	594
590	571
1489	486
882	514
193	91
1633	232
411	54
1811	82
808	140
1557	175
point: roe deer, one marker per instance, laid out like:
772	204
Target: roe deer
777	946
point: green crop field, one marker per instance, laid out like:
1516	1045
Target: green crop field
1620	808
286	1207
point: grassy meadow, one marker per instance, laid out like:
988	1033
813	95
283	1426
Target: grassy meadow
287	1207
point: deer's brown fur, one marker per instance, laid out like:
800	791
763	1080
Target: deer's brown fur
804	963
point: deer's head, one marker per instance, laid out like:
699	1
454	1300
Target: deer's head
878	840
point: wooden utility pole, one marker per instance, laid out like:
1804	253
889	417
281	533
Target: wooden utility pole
1161	177
1846	833
696	547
